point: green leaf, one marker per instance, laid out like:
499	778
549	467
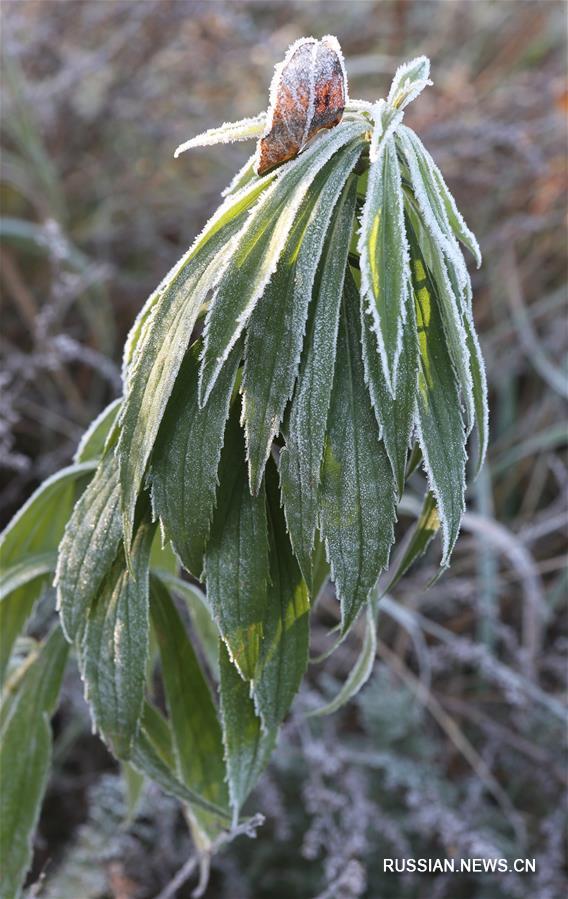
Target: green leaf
196	731
275	331
25	756
480	390
93	441
362	669
358	487
25	572
184	463
236	559
245	129
114	647
36	529
384	259
134	783
439	421
259	246
395	416
247	747
162	334
89	546
409	81
286	634
301	458
454	216
153	756
200	615
425	530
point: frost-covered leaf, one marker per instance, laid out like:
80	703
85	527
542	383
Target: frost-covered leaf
247	746
164	335
24	572
153	755
200	615
409	81
196	732
275	331
383	250
454	216
362	669
227	133
424	532
183	467
258	248
89	546
93	441
236	558
395	415
480	397
36	529
25	756
114	646
358	487
284	653
386	120
301	458
439	421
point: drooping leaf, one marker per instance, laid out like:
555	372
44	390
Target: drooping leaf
247	746
163	335
35	530
114	646
275	331
480	390
409	81
362	669
358	487
153	756
301	458
200	615
395	415
424	532
455	218
284	653
24	572
184	463
383	250
236	558
134	783
196	732
245	129
93	441
439	421
25	756
259	246
89	546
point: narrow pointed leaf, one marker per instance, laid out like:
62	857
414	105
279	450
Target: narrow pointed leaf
25	756
275	332
200	615
480	397
362	669
439	422
184	464
89	546
153	756
114	647
409	81
259	246
455	218
245	129
25	572
284	654
384	259
196	732
301	458
358	487
424	532
236	563
395	415
163	337
247	746
92	443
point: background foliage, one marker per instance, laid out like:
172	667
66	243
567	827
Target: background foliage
456	744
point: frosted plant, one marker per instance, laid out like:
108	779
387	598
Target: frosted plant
313	346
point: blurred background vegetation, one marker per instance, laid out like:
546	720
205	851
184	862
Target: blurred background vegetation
456	745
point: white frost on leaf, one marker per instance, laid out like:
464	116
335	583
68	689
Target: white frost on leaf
386	121
409	81
227	133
